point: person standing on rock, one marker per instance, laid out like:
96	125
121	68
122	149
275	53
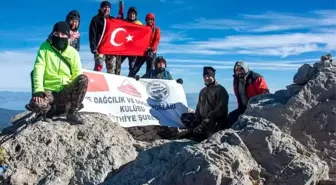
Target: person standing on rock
132	14
73	19
57	77
151	52
212	108
246	84
95	32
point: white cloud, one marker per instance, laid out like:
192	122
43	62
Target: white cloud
266	22
282	45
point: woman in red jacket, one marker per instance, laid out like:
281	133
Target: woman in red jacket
151	51
246	84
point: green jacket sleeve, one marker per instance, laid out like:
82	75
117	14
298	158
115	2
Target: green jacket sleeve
39	68
76	65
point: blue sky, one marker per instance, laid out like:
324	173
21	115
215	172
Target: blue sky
274	37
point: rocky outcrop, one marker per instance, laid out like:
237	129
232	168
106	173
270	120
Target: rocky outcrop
306	112
258	154
59	153
283	138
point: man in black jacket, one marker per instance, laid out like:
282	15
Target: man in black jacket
95	32
211	110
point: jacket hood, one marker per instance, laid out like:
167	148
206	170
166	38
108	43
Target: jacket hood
243	65
158	59
74	14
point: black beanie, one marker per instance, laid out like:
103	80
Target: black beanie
62	27
105	3
209	71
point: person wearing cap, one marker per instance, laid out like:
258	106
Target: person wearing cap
57	77
73	19
95	32
212	108
150	56
246	84
132	14
160	71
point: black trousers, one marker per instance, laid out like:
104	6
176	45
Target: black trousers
234	115
139	61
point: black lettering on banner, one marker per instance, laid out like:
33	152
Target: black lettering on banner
88	98
146	117
125	118
130	100
95	99
109	99
134	108
164	106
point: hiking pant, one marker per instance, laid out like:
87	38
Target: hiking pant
234	115
139	62
131	62
112	64
190	122
71	97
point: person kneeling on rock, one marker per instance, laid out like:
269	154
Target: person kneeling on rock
246	84
212	108
160	71
57	77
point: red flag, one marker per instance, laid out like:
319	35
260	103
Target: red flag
124	38
97	82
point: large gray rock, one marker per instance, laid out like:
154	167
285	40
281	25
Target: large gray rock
307	113
223	159
260	153
62	154
284	159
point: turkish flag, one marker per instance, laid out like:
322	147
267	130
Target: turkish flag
124	38
97	82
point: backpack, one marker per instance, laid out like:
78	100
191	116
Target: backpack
153	74
304	74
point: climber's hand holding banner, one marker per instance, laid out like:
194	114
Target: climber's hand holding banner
135	103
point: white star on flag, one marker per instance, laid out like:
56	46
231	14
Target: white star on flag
129	38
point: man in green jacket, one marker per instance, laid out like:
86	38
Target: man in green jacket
57	76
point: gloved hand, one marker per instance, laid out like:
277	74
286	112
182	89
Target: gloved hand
180	81
150	53
201	127
137	77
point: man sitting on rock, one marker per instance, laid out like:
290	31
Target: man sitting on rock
212	108
246	84
57	77
160	71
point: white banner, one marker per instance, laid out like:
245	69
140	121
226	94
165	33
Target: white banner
135	103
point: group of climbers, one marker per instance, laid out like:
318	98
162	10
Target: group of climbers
211	114
59	87
113	63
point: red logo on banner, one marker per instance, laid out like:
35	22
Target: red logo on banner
97	82
127	88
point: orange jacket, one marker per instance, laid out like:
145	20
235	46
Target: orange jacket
255	85
155	38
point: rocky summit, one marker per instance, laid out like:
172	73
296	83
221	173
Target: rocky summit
284	138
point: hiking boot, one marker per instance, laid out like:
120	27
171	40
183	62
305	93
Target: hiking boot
75	117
